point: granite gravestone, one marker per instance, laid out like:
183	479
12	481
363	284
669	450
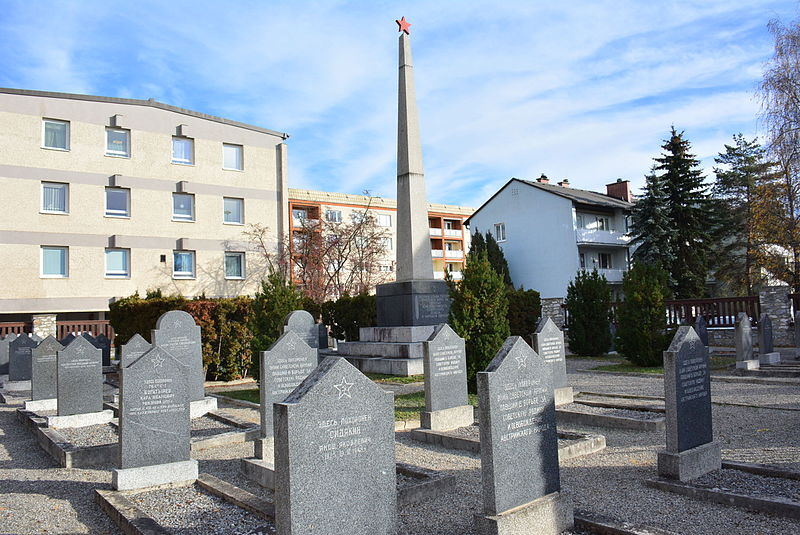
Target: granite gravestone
4	352
80	378
178	334
766	348
135	348
445	368
104	344
701	328
548	342
797	329
44	369
67	339
35	337
19	358
690	450
303	325
334	455
743	339
519	443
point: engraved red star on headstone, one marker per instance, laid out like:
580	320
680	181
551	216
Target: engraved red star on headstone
403	25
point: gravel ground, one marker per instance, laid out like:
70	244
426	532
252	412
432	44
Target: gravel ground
607	411
92	435
746	483
473	431
206	427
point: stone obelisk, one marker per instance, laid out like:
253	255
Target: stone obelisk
416	298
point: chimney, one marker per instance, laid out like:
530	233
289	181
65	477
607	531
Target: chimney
621	189
564	183
543	179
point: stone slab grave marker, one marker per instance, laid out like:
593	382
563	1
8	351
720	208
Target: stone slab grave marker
67	339
20	362
103	343
303	325
334	455
796	335
743	338
445	364
132	350
548	342
519	446
44	371
766	348
691	450
4	352
701	328
79	382
155	428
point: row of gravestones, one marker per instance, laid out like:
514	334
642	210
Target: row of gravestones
16	352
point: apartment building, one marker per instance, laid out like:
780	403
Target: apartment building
550	231
103	197
449	237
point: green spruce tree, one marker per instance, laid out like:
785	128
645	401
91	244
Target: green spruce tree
641	322
650	225
497	259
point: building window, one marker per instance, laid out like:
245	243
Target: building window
384	220
55	134
55	198
387	243
361	242
182	207
583	260
55	262
299	214
118	142
117	265
627	224
182	150
183	264
334	216
500	231
449	225
359	217
232	157
234	265
233	210
118	202
602	223
579	221
605	261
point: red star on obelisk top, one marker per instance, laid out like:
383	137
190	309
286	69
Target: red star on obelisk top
403	25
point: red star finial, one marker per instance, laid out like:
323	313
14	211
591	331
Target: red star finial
403	25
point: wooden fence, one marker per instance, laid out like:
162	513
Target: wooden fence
96	327
15	327
718	311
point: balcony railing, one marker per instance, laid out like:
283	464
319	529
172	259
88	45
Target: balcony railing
612	275
435	231
454	254
440	275
437	253
452	232
604	237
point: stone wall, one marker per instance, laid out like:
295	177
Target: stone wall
551	306
44	325
775	302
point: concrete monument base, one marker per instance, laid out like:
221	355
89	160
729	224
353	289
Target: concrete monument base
412	303
16	386
202	407
389	350
260	471
769	358
690	464
42	405
747	364
150	476
447	419
80	420
563	395
549	515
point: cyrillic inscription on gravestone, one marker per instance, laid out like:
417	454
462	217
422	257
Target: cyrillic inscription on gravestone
334	455
177	332
135	348
80	378
548	342
303	325
445	368
19	358
154	424
45	369
4	352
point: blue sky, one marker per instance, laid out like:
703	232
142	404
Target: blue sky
584	90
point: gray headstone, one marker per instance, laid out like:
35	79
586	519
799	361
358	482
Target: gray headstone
89	337
44	369
519	442
135	348
334	455
4	353
284	366
548	342
445	365
796	332
19	358
701	328
154	406
80	378
177	332
302	323
35	337
103	343
323	336
67	339
765	344
743	337
687	390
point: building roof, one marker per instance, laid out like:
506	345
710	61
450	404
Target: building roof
364	200
581	196
135	102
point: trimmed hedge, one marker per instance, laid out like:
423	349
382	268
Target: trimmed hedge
347	314
524	310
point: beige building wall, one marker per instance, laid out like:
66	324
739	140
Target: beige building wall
149	232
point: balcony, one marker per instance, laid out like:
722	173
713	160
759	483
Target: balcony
601	237
612	275
440	275
437	253
435	231
454	254
452	232
304	222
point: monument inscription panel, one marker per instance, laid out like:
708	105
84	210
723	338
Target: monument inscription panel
548	342
445	369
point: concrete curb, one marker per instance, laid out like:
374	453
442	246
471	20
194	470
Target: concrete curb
762	469
722	403
239	497
234	401
130	519
615	422
431	484
780	381
602	525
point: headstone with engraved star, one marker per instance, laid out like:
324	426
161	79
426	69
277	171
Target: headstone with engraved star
445	365
19	358
334	455
44	369
177	332
743	339
548	342
132	350
80	378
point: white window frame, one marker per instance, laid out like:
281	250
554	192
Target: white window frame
600	257
126	274
241	157
387	243
179	217
602	223
63	149
184	274
117	213
337	218
241	211
119	154
190	161
579	221
384	218
582	260
66	198
242	265
42	274
500	232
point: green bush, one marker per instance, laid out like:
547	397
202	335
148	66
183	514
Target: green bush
347	314
524	310
589	308
641	321
132	315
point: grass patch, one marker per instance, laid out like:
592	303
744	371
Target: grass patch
251	394
606	357
384	378
624	366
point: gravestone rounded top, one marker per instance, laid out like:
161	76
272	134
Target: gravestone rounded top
299	319
175	319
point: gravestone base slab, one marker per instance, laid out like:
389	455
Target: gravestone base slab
769	358
260	471
150	476
689	464
563	395
80	420
16	386
400	367
419	333
548	515
390	350
264	448
42	405
202	407
447	419
747	364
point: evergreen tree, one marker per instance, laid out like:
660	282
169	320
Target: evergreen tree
589	307
477	245
641	322
650	226
478	313
497	259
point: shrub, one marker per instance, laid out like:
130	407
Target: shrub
132	315
641	321
589	307
524	310
347	314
